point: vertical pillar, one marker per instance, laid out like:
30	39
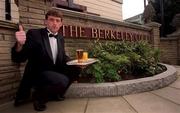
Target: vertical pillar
155	33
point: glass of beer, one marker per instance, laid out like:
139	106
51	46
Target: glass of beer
79	55
85	56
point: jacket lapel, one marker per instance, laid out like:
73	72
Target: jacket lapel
47	43
60	49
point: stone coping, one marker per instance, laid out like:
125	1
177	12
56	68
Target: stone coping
91	17
8	24
123	87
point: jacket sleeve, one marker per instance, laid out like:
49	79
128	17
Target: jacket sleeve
66	58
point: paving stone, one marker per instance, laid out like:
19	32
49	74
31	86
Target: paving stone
67	106
172	94
109	105
176	84
178	69
150	103
27	108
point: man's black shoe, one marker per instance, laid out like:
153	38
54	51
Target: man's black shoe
19	102
38	106
56	98
59	98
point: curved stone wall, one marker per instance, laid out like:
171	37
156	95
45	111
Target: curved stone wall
123	87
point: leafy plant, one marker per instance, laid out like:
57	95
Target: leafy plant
122	58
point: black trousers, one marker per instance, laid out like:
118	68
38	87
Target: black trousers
48	82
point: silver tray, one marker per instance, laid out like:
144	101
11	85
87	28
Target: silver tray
87	62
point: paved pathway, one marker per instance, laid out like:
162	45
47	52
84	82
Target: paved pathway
165	100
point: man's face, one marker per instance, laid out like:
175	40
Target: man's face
53	23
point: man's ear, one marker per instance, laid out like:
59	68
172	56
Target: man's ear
61	24
45	22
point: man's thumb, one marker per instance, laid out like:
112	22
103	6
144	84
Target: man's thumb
21	27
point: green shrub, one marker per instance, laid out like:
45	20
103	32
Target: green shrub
119	58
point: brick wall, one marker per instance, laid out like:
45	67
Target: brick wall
169	46
170	50
32	12
9	72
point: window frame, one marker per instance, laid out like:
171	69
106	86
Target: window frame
8	10
69	4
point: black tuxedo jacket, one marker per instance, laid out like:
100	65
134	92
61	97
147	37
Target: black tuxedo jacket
38	53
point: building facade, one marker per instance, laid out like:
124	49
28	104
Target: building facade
111	9
137	19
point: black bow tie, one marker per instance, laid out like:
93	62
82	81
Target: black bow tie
51	35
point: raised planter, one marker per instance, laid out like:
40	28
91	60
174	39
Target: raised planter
123	87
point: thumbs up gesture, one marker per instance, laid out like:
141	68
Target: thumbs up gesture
21	36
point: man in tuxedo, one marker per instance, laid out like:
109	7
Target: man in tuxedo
46	70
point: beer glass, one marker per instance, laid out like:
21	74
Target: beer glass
79	55
85	56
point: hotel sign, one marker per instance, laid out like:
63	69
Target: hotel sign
70	31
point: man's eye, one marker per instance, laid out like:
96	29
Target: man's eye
57	20
51	19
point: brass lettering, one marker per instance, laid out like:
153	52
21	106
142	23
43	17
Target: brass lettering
148	37
144	37
128	37
112	35
140	37
124	36
119	35
100	33
64	30
107	34
133	36
94	33
81	32
73	29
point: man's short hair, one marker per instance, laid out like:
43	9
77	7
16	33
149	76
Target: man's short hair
55	13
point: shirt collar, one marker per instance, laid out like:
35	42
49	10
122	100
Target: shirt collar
49	32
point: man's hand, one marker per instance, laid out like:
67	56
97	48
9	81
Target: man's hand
81	66
20	37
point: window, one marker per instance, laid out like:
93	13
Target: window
8	9
68	4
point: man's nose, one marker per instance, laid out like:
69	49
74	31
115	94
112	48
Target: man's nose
54	22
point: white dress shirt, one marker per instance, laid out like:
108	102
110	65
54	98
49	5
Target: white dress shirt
54	47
